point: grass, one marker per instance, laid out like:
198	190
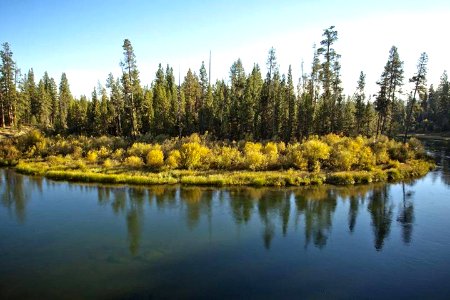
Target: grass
121	175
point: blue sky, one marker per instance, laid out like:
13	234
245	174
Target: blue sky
84	38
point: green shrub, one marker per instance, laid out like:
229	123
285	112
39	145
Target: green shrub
118	154
133	162
77	152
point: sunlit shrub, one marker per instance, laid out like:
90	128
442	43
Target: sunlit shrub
192	155
173	159
315	152
133	162
118	154
109	163
331	139
379	148
9	154
228	158
254	158
92	156
366	158
155	158
139	149
270	150
104	152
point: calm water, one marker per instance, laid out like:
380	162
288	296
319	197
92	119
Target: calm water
72	241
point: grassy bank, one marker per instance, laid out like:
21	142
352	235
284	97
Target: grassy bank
198	160
403	171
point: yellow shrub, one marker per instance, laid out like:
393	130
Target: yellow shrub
173	159
271	152
133	162
155	158
118	154
366	158
104	152
92	156
109	163
139	149
254	158
192	155
315	151
228	158
331	139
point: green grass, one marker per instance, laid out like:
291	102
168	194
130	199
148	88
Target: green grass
70	171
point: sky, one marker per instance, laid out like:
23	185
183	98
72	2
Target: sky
84	38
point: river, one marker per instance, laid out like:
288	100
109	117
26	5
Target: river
62	240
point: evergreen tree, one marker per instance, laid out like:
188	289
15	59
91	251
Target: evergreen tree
8	93
390	83
130	85
237	101
250	117
360	105
161	102
192	93
65	97
117	104
291	101
419	81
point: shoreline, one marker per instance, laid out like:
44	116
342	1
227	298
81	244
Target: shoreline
411	170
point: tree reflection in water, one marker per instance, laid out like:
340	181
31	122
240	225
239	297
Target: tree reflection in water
275	209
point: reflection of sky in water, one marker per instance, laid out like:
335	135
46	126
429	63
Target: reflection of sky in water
132	242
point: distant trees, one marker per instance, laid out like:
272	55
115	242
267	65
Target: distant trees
248	106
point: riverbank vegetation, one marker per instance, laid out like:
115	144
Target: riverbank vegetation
199	160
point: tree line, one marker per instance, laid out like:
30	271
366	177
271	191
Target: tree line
247	106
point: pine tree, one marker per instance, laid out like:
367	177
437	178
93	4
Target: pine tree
291	101
250	117
117	104
237	96
130	84
161	104
65	97
360	105
419	80
192	93
330	80
390	82
8	93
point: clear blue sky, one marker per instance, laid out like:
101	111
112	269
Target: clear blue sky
84	38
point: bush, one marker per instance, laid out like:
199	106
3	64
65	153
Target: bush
173	159
9	154
315	152
109	163
139	149
254	158
118	154
155	158
193	155
228	158
92	156
271	152
104	152
77	152
133	162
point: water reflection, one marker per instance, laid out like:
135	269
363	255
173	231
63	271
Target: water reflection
275	209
